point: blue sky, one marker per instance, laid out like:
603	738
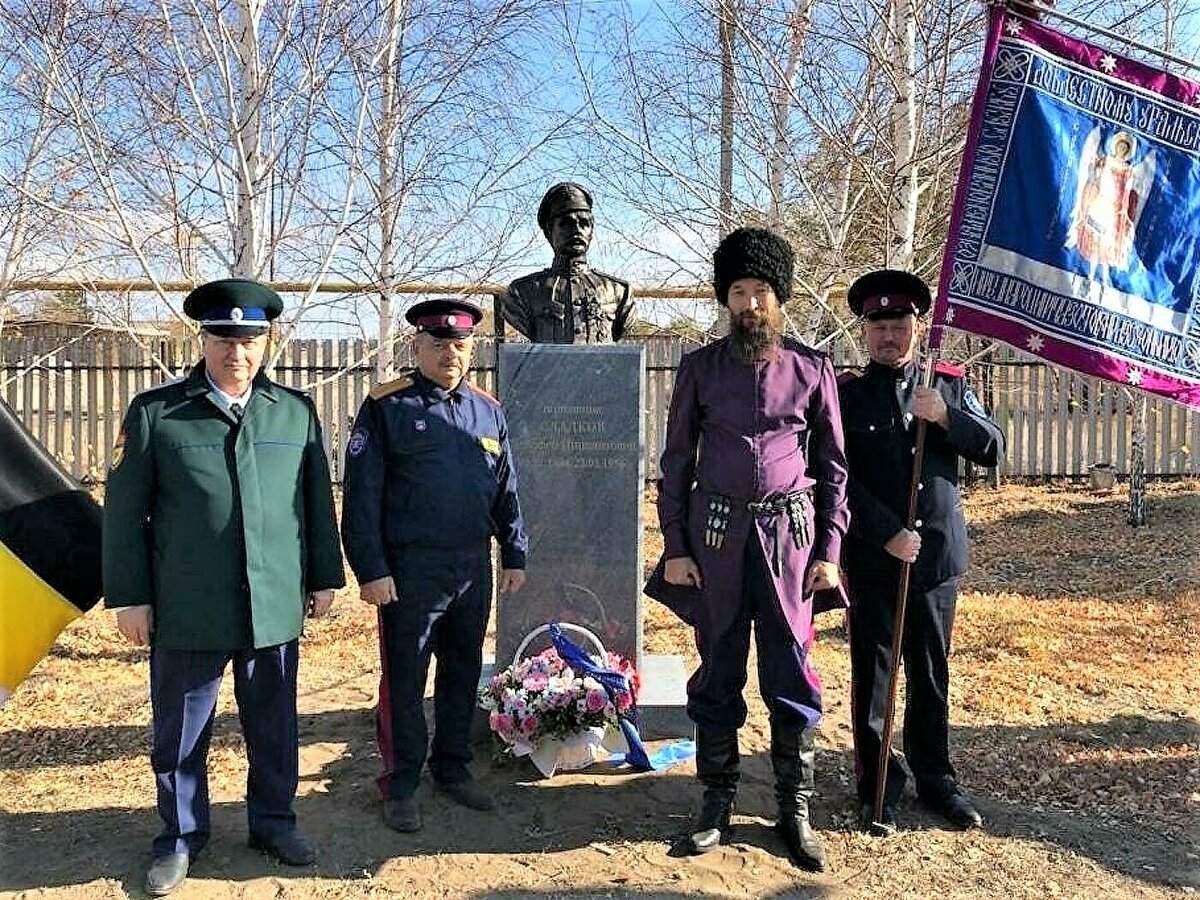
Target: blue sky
575	159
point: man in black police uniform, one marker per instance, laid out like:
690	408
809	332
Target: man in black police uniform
879	409
429	480
568	303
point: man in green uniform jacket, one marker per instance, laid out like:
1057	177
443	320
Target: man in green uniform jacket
219	535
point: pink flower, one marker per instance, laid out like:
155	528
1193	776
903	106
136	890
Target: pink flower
529	725
501	723
624	700
596	701
536	681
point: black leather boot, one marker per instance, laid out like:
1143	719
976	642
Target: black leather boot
793	755
717	769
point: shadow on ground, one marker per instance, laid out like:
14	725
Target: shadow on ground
341	812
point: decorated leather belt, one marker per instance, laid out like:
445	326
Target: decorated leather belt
795	505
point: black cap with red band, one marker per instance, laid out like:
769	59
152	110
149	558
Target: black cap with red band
443	318
888	293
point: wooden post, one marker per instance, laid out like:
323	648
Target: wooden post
1137	467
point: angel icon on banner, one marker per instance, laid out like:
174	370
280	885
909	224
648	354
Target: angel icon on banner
1109	200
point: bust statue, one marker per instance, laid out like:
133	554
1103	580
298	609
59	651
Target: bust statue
568	303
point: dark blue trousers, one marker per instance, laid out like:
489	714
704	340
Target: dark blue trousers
788	683
928	621
444	600
183	694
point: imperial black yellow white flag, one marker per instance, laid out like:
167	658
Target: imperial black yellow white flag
49	551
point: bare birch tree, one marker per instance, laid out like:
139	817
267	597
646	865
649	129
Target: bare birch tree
451	141
182	117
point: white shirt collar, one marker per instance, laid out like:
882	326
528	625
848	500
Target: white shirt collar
229	399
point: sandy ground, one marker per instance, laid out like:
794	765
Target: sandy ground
1076	723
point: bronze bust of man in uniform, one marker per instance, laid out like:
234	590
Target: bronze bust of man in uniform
568	303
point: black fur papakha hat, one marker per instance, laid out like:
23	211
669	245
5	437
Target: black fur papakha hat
753	253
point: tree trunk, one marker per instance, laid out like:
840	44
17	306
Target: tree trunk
726	29
905	188
389	120
777	155
248	238
1137	465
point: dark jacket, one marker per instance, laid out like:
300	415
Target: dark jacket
561	307
880	432
429	468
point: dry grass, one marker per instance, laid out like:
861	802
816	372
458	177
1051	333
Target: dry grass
1075	683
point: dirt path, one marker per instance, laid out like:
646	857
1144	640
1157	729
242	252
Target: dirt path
1076	713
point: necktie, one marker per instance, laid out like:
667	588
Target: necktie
236	409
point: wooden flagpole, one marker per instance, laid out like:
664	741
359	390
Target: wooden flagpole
910	522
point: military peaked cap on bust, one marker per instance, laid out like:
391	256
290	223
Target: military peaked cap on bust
753	253
233	307
445	318
567	196
888	294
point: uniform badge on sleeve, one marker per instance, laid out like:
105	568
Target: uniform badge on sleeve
358	442
491	445
972	403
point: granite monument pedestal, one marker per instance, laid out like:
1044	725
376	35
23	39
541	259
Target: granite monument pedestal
576	426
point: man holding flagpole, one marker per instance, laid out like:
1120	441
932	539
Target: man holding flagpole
880	410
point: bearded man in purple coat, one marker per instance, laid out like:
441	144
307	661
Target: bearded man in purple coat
753	509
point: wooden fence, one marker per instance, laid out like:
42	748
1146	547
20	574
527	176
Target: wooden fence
1057	424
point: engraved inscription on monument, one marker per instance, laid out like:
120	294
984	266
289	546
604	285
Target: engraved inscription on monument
576	429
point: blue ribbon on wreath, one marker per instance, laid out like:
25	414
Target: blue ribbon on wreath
574	656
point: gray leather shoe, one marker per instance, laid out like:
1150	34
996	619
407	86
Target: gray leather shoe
402	815
467	793
166	873
291	847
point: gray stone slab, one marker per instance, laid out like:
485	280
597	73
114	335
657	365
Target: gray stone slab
576	426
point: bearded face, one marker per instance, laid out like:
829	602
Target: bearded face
755	320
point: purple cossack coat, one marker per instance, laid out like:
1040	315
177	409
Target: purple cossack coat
751	432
